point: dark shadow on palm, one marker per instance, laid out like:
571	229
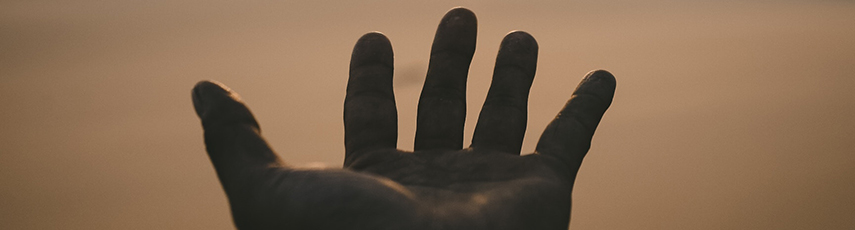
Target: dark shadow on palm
439	186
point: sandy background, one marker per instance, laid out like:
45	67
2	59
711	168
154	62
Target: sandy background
728	114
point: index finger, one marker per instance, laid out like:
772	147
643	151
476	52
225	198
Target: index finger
568	137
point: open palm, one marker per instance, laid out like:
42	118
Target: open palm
440	185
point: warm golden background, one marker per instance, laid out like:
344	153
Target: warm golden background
728	114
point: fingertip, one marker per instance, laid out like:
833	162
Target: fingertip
372	47
205	86
460	15
601	75
520	42
373	36
460	10
518	50
601	78
598	82
520	36
204	92
216	103
456	33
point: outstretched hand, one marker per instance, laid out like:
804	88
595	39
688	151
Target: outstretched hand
439	185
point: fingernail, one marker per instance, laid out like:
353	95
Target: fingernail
518	41
205	92
598	75
459	15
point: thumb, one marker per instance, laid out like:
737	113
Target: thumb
232	136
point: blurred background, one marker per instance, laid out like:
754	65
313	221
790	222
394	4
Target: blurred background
728	114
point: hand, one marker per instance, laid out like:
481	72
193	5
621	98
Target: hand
440	185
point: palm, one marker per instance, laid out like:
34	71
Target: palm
471	189
440	185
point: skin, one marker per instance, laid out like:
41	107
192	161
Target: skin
439	185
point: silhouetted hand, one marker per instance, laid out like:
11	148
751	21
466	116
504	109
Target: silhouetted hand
440	185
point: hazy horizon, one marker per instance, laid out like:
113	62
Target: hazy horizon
727	115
